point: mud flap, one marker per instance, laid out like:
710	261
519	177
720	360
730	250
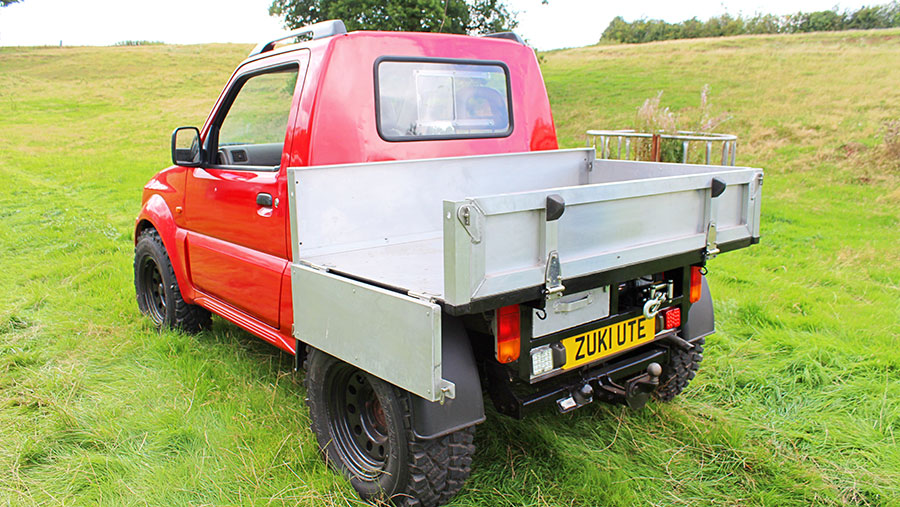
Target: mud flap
701	319
433	420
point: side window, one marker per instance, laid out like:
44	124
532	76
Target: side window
253	130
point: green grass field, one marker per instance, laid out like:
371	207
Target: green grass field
796	402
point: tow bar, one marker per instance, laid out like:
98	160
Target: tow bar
637	391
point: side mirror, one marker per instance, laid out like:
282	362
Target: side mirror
186	147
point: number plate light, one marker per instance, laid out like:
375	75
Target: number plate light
547	358
541	360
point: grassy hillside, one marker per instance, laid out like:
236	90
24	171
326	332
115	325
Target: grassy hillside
796	402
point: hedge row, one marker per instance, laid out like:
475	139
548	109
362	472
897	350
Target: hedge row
648	30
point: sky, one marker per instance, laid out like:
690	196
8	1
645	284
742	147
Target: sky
562	23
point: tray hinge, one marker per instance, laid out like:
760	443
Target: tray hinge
317	267
423	296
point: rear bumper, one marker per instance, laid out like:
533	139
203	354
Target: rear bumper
516	399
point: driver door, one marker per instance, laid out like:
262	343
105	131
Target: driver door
235	209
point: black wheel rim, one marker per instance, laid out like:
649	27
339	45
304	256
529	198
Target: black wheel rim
358	425
152	290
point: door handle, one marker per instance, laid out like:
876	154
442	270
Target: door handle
264	199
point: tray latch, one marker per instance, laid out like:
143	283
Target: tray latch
472	219
446	391
712	248
553	286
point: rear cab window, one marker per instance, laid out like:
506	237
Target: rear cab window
432	99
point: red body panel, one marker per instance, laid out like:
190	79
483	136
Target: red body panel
231	255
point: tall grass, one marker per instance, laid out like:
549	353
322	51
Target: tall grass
892	139
653	118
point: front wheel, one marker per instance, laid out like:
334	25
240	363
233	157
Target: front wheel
363	426
158	294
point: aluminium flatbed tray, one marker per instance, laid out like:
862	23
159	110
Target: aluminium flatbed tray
396	225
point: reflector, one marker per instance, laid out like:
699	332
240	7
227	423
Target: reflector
672	317
696	284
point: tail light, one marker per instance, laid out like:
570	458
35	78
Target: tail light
696	284
508	334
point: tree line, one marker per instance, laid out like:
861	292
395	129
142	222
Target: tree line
648	30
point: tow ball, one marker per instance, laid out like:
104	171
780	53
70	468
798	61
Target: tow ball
639	389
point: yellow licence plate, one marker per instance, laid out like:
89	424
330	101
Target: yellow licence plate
599	343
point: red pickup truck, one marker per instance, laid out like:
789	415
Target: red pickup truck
393	209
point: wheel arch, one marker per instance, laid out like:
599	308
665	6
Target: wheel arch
155	214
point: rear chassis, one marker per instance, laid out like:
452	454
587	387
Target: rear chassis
623	377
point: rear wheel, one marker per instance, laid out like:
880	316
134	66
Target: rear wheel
681	369
158	294
364	428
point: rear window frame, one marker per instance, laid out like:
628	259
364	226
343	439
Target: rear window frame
447	61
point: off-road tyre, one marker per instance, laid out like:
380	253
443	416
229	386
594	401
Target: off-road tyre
680	370
158	294
409	471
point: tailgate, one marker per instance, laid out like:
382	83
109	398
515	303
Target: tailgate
627	213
